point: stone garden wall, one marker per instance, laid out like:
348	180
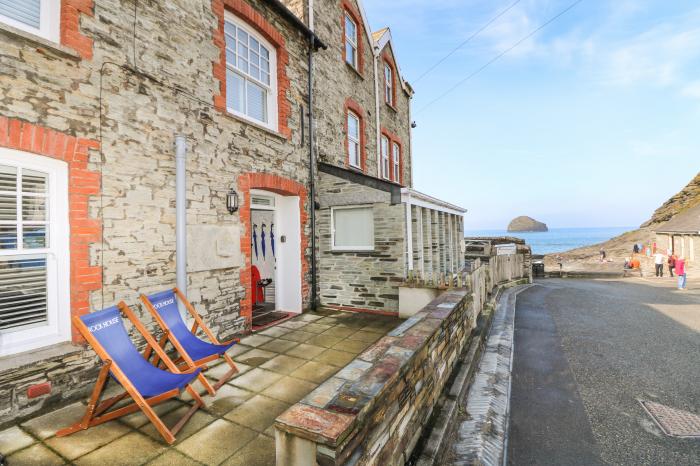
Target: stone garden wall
373	411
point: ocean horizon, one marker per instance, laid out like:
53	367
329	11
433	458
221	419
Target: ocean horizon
557	239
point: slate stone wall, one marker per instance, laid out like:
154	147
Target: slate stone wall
366	280
373	411
132	94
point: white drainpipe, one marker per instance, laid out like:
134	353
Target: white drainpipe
181	212
375	59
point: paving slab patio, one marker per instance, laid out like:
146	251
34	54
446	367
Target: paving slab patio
277	367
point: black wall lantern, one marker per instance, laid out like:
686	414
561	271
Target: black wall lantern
232	201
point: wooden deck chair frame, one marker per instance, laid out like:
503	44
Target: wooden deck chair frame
96	412
185	359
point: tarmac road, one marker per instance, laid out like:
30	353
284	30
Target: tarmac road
585	352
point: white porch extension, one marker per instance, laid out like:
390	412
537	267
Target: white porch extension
434	238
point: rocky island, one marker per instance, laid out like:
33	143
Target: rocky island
525	224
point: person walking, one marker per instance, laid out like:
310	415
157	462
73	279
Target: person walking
602	255
659	263
671	263
680	271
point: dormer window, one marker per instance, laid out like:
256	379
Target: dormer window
38	17
351	40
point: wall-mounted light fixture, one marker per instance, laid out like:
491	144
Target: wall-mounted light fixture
232	201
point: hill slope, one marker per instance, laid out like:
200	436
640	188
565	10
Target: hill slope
620	247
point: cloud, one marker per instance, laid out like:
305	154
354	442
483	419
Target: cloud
692	90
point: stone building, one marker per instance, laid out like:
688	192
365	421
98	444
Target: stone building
92	94
374	230
681	235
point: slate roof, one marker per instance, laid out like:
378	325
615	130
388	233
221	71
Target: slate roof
687	221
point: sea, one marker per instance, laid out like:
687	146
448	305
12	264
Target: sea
557	239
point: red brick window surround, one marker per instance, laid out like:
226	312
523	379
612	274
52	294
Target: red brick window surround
257	22
279	185
57	21
70	26
353	109
82	185
394	143
350	11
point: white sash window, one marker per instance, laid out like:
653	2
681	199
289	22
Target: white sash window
385	157
34	294
396	152
354	157
350	41
40	17
251	73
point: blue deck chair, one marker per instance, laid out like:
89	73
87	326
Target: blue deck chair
146	384
193	351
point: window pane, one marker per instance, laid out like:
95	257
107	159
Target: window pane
254	45
349	53
235	86
229	30
264	52
230	57
254	59
33	208
34	236
242	64
354	153
353	127
242	37
255	72
257	102
22	292
265	77
8	178
8	207
24	11
33	182
8	237
350	29
353	228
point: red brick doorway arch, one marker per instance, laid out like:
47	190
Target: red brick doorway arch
282	186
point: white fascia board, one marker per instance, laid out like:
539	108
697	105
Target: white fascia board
413	197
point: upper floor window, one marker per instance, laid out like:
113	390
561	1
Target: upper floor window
396	160
385	157
251	74
354	157
388	85
350	41
34	288
40	17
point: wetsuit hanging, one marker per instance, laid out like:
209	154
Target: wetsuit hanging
262	239
255	239
272	238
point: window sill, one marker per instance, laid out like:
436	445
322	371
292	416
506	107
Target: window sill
44	45
267	130
357	72
391	107
353	251
27	358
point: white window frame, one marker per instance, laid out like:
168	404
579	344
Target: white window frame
357	141
351	40
49	21
388	85
58	327
385	144
271	89
396	158
351	248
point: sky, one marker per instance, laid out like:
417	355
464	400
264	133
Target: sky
592	122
